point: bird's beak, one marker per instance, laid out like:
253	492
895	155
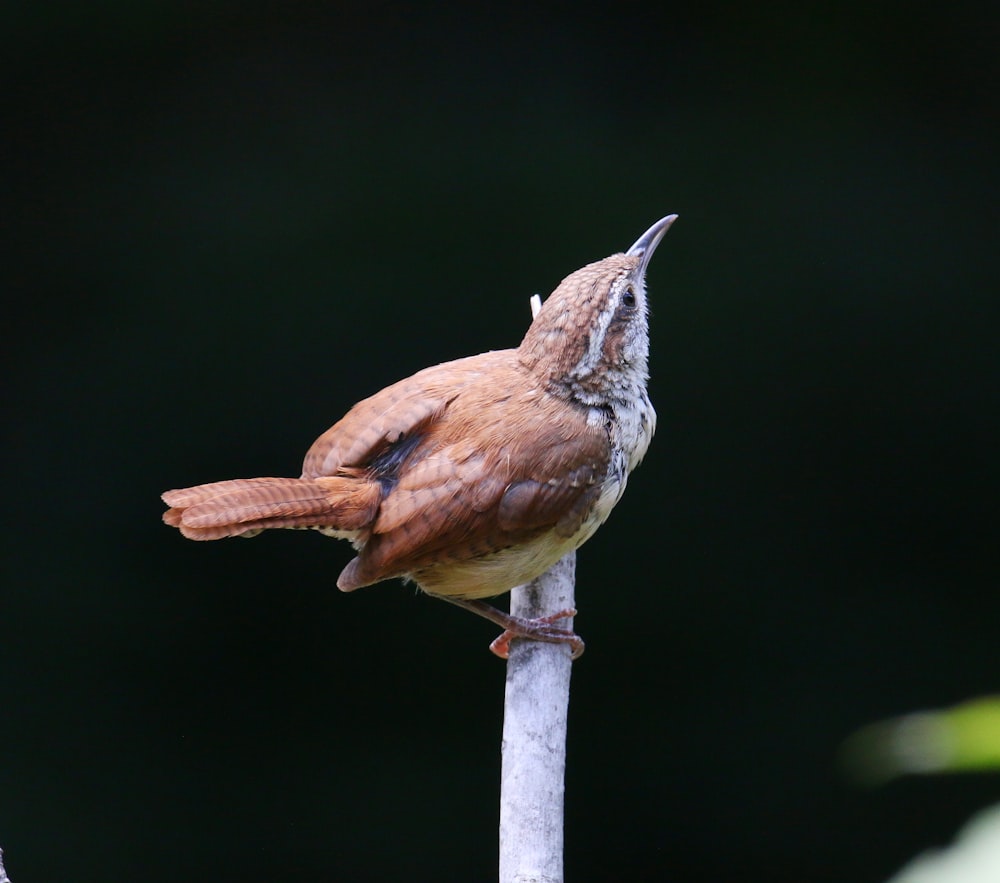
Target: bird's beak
646	244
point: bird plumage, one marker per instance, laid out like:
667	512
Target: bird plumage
475	475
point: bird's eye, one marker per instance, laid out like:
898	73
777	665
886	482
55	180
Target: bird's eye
628	298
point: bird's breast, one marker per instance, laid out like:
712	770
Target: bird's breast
634	425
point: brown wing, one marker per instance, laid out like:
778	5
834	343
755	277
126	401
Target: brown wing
562	503
395	413
493	473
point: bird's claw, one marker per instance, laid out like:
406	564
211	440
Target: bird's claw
540	629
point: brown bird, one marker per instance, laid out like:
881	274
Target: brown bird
477	475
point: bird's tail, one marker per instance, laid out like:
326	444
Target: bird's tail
245	506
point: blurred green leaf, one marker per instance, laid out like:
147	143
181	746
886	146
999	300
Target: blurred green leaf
963	738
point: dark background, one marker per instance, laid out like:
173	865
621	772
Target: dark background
231	221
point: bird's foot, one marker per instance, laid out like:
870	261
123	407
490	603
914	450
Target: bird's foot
540	629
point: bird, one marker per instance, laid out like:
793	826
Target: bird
476	475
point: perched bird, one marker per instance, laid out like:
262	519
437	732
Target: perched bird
476	475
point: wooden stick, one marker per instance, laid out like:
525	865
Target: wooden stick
536	702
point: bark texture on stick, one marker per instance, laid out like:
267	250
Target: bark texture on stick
532	778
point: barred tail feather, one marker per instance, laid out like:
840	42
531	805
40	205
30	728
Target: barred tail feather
245	506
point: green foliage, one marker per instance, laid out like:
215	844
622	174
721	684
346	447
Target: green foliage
963	738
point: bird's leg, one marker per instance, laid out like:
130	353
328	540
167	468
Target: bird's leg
540	629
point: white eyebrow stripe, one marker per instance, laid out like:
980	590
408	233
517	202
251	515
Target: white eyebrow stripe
595	343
